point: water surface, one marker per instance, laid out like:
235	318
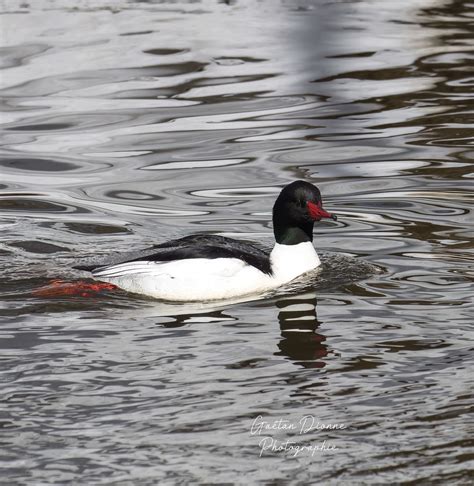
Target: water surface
128	123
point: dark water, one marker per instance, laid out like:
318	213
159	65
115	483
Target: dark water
125	124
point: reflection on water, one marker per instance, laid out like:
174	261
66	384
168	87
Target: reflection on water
298	325
300	339
128	123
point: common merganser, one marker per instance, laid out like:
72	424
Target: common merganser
211	267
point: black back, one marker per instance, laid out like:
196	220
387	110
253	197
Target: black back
201	246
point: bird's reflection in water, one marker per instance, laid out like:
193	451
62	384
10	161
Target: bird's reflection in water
183	319
298	324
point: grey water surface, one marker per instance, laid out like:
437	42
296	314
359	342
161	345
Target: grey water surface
124	124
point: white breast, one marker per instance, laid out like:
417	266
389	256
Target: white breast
291	261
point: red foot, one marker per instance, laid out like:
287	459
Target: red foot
60	288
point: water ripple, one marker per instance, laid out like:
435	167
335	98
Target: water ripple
125	124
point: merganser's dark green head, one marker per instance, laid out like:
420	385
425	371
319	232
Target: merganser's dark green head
295	211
